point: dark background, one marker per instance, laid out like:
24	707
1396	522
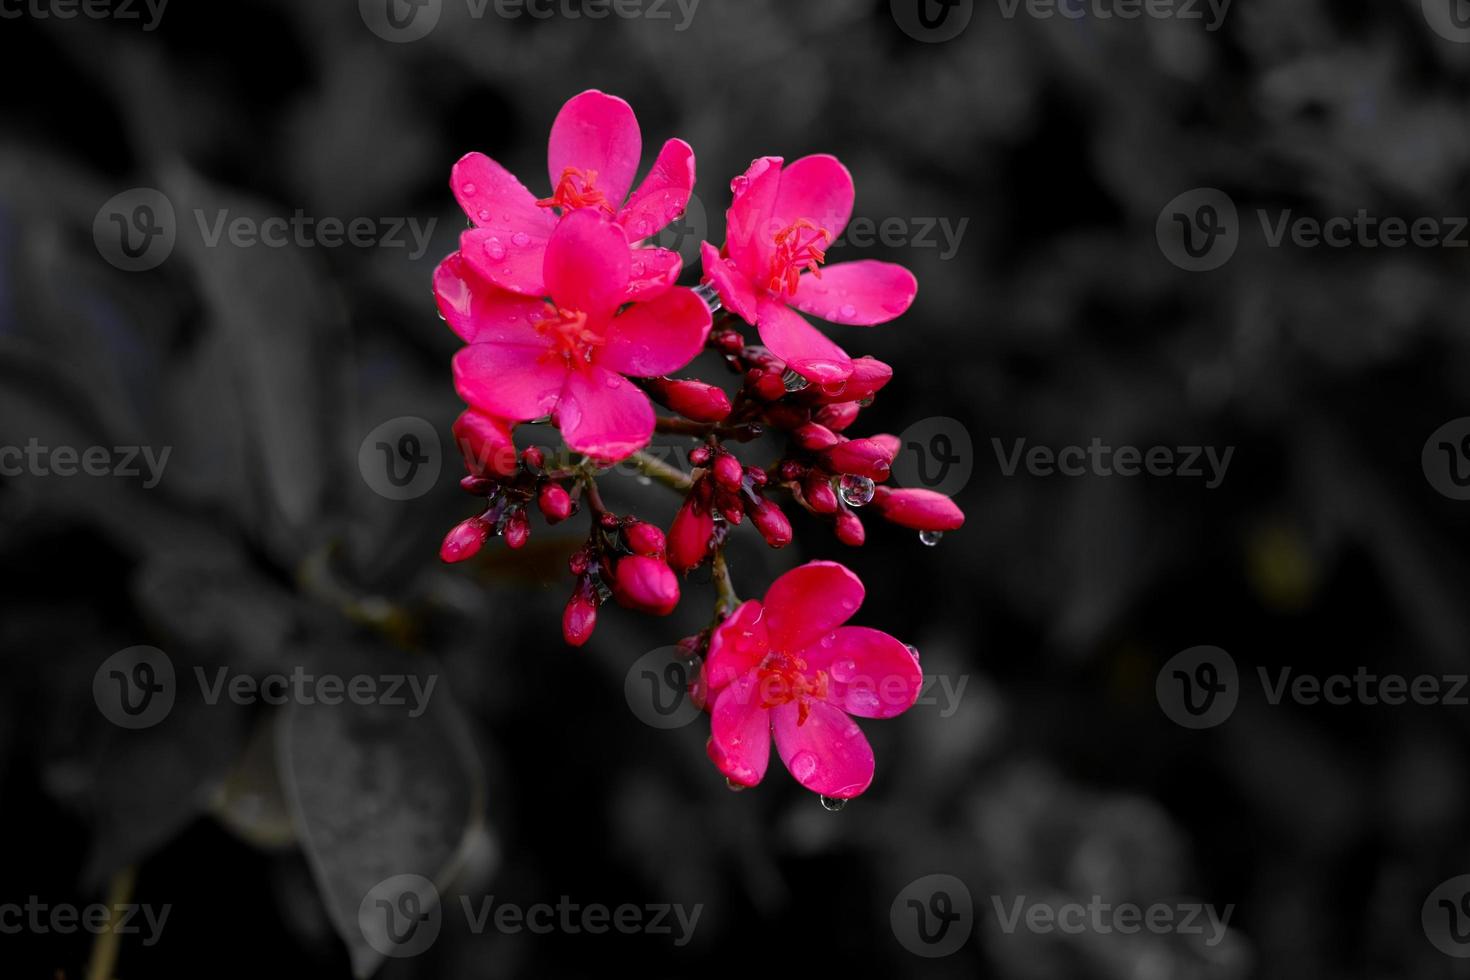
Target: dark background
1060	319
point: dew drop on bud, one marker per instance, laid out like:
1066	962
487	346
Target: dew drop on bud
792	381
642	480
913	651
829	803
856	491
930	538
734	786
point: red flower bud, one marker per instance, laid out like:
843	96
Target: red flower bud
517	528
692	399
817	490
922	510
839	416
815	437
868	375
485	442
860	457
689	536
533	457
771	522
580	616
889	443
769	386
728	471
464	540
646	584
644	539
850	529
554	502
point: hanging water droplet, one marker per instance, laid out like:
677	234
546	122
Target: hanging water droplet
643	480
855	491
793	381
930	538
832	804
734	786
711	297
913	651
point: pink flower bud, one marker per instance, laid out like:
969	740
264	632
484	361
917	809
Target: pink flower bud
771	522
922	510
817	490
769	386
533	457
554	502
646	584
692	399
689	536
840	416
464	540
860	457
815	437
868	375
850	529
580	616
890	444
517	529
699	456
485	442
728	471
644	539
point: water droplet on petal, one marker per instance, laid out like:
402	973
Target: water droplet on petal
793	381
913	651
803	765
484	214
855	490
930	538
495	250
848	311
833	805
520	239
468	190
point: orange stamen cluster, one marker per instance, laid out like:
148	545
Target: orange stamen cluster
796	253
783	678
576	189
571	339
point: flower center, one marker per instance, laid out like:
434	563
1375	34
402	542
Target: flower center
571	339
800	246
577	188
783	678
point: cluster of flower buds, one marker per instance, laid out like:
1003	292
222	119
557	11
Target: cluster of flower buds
570	315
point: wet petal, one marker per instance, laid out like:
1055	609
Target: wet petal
827	753
861	293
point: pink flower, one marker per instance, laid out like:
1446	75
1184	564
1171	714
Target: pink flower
592	156
780	224
789	668
922	510
567	356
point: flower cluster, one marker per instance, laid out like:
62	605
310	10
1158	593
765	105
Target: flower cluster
570	314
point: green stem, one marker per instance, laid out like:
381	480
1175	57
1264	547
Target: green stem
656	469
726	599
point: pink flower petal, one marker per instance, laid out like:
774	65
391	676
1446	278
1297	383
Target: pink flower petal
482	313
509	380
827	753
871	674
493	198
654	272
861	293
810	601
740	732
737	645
748	224
596	132
663	195
817	188
736	292
802	346
603	415
497	259
657	337
587	265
